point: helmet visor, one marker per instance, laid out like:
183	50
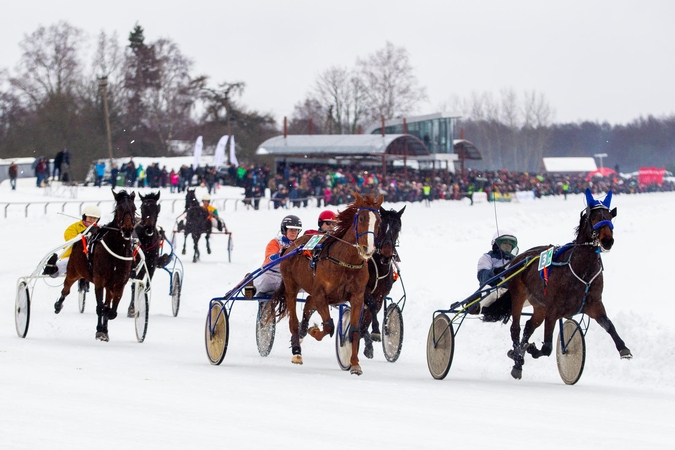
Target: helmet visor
507	244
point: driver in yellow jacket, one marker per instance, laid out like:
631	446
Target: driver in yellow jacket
55	266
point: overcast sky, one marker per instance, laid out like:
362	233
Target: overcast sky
593	60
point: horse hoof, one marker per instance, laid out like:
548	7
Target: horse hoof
297	359
356	370
208	250
183	252
58	306
376	337
315	333
517	373
101	336
510	354
625	354
368	351
131	312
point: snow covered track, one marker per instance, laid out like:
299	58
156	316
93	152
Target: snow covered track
165	394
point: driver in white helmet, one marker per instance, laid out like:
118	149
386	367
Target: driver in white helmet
90	216
270	280
216	221
491	264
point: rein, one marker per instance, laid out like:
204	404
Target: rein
123	258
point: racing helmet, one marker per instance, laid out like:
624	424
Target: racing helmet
290	222
326	215
503	237
206	198
92	211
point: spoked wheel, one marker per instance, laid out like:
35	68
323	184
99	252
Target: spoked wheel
264	332
216	333
22	310
440	347
175	293
230	247
571	360
82	289
343	346
392	340
141	303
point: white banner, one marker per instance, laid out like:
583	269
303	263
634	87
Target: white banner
198	152
219	156
233	157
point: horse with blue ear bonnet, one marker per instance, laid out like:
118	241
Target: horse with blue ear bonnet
573	285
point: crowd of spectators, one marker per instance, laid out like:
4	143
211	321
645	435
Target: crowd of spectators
294	185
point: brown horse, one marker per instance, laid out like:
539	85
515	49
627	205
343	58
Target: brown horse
339	275
107	263
571	285
381	276
150	239
196	223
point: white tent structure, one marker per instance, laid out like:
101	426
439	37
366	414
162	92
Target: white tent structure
572	164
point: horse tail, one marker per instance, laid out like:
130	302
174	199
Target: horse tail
278	301
500	310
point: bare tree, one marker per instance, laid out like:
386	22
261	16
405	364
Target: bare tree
49	64
390	84
171	102
343	96
308	110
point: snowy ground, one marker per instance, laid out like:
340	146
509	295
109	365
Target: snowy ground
63	389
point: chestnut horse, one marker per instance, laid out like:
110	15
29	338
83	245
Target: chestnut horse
571	285
150	240
106	264
339	275
381	276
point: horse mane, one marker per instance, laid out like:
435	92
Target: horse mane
345	218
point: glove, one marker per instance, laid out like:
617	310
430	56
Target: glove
498	270
274	257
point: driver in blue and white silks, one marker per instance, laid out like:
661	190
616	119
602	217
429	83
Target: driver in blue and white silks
491	264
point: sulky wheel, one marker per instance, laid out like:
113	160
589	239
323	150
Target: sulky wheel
343	346
216	333
141	314
175	293
392	341
440	346
230	247
571	360
264	332
22	310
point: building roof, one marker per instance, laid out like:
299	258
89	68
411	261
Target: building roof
343	145
414	119
572	164
470	149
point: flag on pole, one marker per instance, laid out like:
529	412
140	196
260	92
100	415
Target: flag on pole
197	153
233	157
219	156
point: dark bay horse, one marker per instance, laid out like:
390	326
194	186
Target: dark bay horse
196	223
572	286
149	239
380	275
106	264
340	275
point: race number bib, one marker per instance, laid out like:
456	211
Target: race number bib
313	241
545	258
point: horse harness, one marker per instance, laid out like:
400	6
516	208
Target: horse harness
559	250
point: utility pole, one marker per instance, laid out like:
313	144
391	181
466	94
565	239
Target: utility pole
103	85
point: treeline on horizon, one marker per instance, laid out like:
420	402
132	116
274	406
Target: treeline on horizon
53	99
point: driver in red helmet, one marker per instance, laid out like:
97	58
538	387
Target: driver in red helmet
327	222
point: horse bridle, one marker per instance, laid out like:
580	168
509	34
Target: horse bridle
599	225
128	211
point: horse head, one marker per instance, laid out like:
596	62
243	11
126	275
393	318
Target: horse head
190	199
366	221
125	212
390	227
595	224
149	212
